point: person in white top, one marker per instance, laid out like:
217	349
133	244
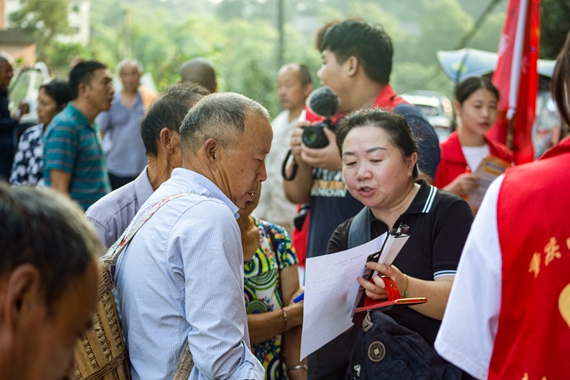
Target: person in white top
508	311
294	84
476	101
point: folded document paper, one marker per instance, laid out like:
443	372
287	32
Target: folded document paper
331	288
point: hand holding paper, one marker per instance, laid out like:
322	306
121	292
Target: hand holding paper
376	288
330	289
489	169
395	240
329	298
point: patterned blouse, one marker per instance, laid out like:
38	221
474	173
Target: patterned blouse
260	288
28	162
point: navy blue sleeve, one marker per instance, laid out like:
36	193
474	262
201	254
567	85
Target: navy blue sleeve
428	143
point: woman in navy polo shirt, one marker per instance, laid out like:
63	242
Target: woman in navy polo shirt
379	157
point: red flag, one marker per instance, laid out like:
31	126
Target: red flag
516	77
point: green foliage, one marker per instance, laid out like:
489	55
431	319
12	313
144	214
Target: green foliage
375	14
59	56
554	27
241	38
444	35
487	38
410	76
42	19
299	48
475	8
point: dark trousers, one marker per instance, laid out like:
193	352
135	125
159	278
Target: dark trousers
5	168
6	155
330	362
117	181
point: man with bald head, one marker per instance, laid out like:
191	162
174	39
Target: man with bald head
201	71
294	84
180	280
121	125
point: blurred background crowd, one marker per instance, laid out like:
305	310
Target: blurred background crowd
249	40
102	95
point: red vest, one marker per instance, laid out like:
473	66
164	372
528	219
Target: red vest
533	337
453	161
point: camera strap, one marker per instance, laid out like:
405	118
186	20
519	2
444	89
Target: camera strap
293	169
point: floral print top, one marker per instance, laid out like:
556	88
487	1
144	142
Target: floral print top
260	288
28	164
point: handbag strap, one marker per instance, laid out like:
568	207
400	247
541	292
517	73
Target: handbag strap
113	253
360	228
110	259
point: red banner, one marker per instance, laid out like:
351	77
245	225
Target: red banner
516	77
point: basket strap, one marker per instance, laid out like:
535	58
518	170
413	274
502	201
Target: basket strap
184	366
109	367
115	250
186	363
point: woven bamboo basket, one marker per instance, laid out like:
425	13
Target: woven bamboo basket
101	353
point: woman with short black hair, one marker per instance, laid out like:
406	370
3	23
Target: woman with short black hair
28	160
379	159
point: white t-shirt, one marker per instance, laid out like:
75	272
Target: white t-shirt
469	327
474	155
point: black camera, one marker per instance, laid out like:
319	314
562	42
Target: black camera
322	102
314	135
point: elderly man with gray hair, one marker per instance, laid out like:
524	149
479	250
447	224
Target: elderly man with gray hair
160	131
180	280
120	126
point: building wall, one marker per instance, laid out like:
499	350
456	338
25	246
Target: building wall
2	17
10	6
78	18
25	53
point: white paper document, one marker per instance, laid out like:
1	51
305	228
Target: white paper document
330	290
391	249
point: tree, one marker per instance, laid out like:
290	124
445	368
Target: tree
554	27
42	19
444	35
488	36
411	76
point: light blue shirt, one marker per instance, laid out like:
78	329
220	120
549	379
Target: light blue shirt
111	215
126	154
180	281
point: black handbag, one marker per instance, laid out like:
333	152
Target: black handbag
387	350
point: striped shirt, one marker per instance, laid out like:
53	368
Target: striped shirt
73	145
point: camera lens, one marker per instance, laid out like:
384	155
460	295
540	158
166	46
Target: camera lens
315	137
310	136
